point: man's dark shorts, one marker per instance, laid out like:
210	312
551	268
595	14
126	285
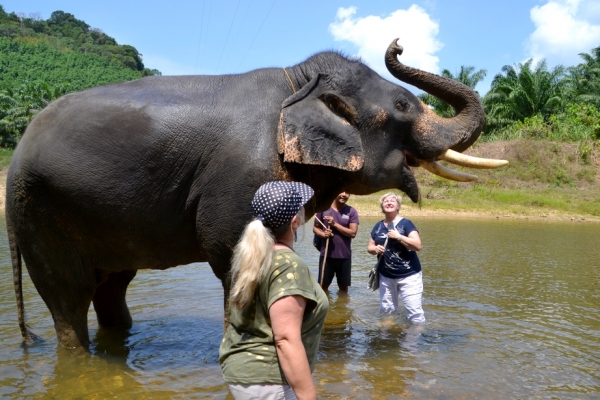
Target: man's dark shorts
340	267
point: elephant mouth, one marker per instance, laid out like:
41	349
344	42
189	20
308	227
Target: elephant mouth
450	156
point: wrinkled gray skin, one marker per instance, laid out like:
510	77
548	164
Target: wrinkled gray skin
161	171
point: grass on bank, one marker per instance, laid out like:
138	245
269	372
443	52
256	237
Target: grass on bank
543	178
493	202
5	157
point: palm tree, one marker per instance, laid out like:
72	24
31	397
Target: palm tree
520	92
584	79
467	76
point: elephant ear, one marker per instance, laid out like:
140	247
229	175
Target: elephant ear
316	128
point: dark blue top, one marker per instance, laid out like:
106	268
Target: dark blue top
398	261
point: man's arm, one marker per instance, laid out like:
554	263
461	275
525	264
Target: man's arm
350	231
323	234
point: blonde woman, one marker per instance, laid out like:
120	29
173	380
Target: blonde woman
400	269
276	308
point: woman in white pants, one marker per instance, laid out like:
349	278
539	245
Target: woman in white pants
400	268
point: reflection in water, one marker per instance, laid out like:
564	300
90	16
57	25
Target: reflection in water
338	327
513	311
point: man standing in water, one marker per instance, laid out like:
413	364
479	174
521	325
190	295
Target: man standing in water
341	225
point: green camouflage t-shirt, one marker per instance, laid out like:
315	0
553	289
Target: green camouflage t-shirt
247	353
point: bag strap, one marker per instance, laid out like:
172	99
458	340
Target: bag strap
384	246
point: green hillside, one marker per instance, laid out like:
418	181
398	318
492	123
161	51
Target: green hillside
63	32
41	60
22	62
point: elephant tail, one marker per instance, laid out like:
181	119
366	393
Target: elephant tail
17	265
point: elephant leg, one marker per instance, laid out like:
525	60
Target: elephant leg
226	282
71	324
109	300
219	266
68	296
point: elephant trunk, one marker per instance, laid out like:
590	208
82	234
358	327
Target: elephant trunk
434	134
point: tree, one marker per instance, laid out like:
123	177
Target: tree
520	92
467	76
66	23
584	79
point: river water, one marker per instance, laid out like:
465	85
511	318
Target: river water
512	307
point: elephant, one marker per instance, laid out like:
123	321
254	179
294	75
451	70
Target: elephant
160	172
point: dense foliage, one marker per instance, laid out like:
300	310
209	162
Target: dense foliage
40	60
63	31
532	101
584	80
522	92
22	62
561	104
467	76
19	105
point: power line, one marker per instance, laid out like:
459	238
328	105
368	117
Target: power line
200	37
227	38
235	39
255	36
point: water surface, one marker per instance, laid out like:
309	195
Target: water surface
513	310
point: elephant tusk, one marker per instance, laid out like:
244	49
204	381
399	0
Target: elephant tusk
464	160
440	170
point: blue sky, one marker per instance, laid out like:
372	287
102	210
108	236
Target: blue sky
231	36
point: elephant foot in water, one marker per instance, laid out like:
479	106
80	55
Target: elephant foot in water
109	300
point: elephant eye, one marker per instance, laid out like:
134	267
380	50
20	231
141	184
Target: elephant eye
402	105
339	107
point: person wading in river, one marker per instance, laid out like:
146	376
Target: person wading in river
341	221
276	308
400	269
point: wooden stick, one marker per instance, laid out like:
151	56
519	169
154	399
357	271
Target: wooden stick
321	222
326	249
324	261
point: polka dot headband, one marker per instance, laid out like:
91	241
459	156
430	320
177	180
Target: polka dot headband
276	203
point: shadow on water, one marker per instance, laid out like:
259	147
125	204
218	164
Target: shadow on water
163	359
111	344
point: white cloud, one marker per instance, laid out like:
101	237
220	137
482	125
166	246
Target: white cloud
564	28
373	34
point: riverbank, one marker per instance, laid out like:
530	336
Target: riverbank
543	181
368	206
3	173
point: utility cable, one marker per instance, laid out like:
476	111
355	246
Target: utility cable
255	36
200	37
227	38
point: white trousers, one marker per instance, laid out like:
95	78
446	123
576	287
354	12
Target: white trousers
411	290
267	391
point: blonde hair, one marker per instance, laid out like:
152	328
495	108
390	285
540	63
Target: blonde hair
252	258
390	194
